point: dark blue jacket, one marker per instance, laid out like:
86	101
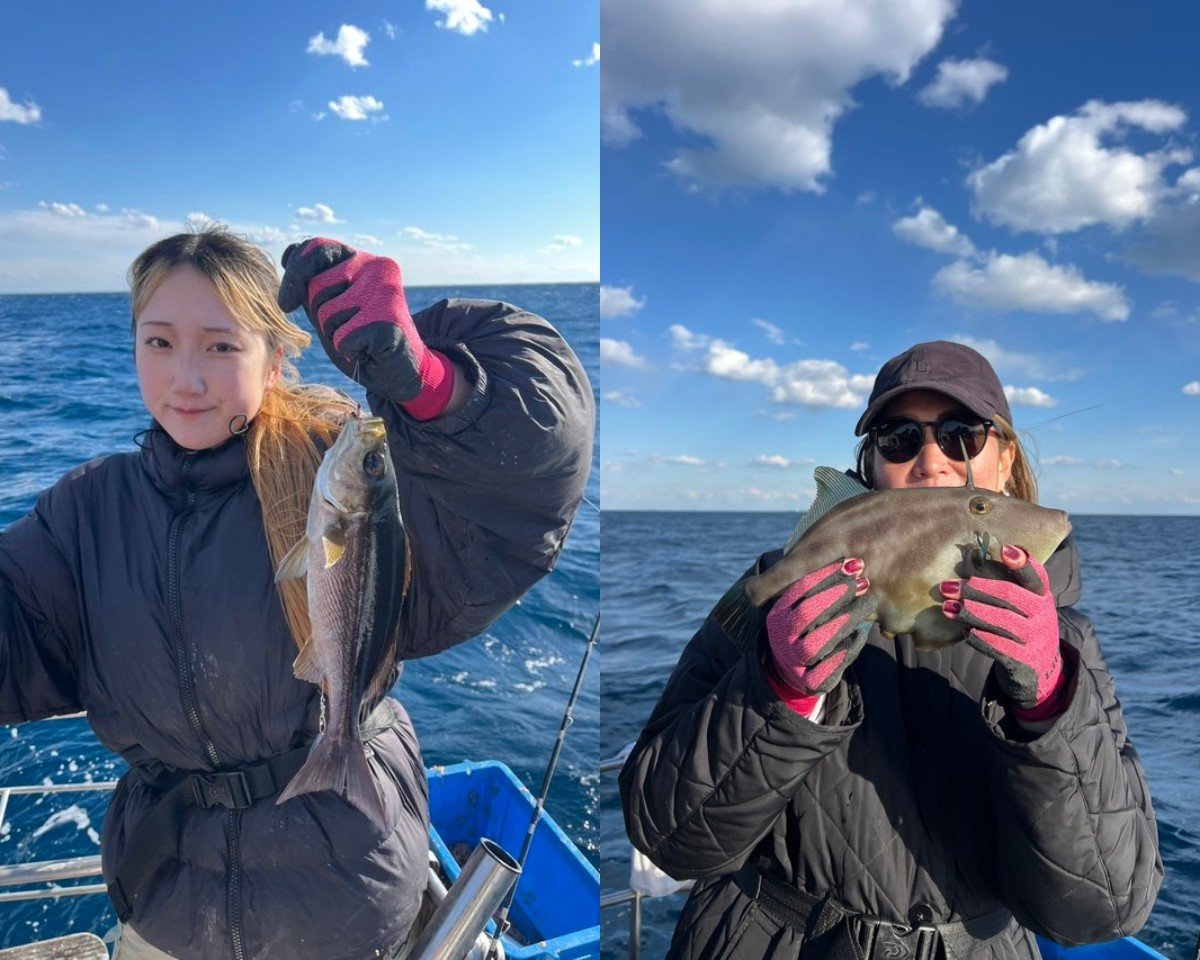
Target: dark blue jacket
140	589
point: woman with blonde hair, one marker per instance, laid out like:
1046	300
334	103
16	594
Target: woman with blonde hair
141	586
839	793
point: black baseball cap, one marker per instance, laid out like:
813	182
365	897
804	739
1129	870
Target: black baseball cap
944	367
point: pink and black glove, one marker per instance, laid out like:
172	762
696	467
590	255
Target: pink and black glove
815	629
1016	624
356	303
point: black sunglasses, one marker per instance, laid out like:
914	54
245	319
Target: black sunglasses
899	439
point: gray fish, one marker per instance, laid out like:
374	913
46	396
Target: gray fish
910	541
355	555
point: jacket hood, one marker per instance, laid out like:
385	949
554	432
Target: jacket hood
1063	570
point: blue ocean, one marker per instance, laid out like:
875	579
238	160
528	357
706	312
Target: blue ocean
663	572
68	393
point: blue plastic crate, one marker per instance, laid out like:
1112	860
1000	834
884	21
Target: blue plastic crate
557	907
1127	948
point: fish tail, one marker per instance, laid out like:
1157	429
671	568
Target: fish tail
339	765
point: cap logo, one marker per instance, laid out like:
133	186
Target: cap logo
922	366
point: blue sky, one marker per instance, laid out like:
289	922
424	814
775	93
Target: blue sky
792	195
459	136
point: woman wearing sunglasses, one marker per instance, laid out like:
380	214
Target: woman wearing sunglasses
838	794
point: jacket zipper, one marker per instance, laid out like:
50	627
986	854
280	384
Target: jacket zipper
188	690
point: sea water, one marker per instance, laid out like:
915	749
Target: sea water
663	572
68	393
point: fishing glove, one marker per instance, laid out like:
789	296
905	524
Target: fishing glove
815	629
1016	624
356	303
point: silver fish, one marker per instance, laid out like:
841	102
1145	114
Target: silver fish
355	556
910	541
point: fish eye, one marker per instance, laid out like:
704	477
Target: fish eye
374	464
980	505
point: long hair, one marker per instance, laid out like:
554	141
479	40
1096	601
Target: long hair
1021	482
296	422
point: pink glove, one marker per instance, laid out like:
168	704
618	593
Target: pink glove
356	302
815	629
1016	624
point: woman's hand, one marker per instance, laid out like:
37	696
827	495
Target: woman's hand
356	303
1016	624
817	627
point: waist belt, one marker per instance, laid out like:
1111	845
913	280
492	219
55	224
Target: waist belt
156	839
836	932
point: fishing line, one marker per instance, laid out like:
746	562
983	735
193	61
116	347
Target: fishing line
567	720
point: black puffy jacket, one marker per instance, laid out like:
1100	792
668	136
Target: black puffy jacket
140	589
917	794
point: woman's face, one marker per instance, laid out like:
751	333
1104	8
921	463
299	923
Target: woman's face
198	369
932	468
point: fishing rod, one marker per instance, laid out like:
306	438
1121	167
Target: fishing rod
567	720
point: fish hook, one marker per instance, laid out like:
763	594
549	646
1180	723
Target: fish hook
967	460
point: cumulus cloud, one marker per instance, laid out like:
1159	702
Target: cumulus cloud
814	384
590	61
775	461
1028	397
564	241
317	213
467	17
23	113
1011	361
682	460
621	353
1192	389
1060	462
356	108
962	82
774	334
860	345
63	209
927	228
775	78
1068	173
621	398
349	45
619	302
1027	282
437	241
366	239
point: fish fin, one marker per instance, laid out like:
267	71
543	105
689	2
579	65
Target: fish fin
333	539
833	487
339	765
306	667
295	562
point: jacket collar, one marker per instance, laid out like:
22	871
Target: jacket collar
173	469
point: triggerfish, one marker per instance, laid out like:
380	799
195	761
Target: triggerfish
910	540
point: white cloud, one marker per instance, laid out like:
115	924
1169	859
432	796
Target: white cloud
102	208
683	339
27	112
774	334
63	209
317	213
776	462
1192	389
462	16
366	239
590	61
808	383
390	30
1028	282
621	398
438	241
960	82
761	82
1029	397
1060	462
1028	364
927	228
683	460
1170	241
349	45
356	108
564	241
1062	176
621	353
860	345
619	302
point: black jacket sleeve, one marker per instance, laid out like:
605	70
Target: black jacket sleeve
39	618
1088	867
721	755
489	491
